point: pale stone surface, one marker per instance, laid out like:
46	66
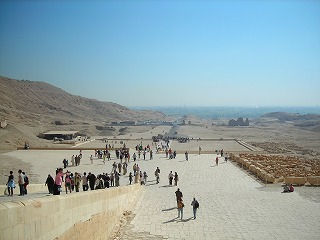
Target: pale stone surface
233	205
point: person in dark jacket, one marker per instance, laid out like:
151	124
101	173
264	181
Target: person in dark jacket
50	183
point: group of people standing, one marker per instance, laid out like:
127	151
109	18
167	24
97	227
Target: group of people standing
75	161
174	177
23	182
73	181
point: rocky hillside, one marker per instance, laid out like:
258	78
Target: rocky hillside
306	121
31	108
283	116
23	100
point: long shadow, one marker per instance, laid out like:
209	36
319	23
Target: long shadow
186	220
169	221
151	184
169	209
166	186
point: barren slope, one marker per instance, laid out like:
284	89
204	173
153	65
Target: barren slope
33	107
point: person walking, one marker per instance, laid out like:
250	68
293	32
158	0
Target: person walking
50	183
10	184
77	180
21	182
217	161
64	163
141	178
112	179
124	167
157	174
117	179
119	167
92	180
195	206
170	177
186	155
130	177
179	195
26	183
180	208
137	177
85	186
145	175
58	182
176	178
68	183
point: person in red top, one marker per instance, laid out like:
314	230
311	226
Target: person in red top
291	188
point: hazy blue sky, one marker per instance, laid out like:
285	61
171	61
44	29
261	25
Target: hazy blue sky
142	53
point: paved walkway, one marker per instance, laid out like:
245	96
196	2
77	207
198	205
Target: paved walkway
232	205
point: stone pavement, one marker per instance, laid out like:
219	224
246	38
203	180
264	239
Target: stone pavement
233	205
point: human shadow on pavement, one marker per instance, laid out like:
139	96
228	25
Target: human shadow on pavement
166	186
151	184
169	221
169	209
186	220
178	220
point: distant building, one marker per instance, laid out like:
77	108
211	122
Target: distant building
128	123
124	123
65	135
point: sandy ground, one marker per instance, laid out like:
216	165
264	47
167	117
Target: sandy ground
38	164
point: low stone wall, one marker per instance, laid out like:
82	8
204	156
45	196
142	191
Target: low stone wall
83	215
274	168
32	188
295	180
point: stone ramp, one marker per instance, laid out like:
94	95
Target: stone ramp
233	205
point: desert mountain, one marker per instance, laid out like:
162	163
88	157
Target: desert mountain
283	116
30	99
32	107
306	121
